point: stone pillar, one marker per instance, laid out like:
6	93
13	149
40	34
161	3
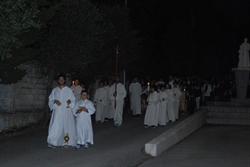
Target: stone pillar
241	79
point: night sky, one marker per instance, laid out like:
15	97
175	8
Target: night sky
189	36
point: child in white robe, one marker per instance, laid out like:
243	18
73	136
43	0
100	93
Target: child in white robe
151	116
83	110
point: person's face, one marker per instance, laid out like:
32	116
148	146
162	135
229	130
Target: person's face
117	79
61	81
101	84
135	79
167	86
76	82
84	95
162	89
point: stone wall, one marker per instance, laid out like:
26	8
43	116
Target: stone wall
23	102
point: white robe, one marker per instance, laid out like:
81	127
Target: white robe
101	101
162	116
151	116
119	100
176	103
84	130
109	112
135	100
170	109
62	119
77	92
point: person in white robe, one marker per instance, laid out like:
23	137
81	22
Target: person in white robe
117	94
170	101
207	90
109	112
100	99
177	97
62	122
77	89
162	116
83	110
151	116
135	92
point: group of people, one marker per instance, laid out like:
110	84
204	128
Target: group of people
162	102
185	95
109	101
70	123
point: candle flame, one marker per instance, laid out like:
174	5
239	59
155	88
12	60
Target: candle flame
148	83
73	82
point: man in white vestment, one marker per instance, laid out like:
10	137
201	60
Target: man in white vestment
62	122
176	103
171	81
151	116
117	94
206	89
162	116
170	101
77	89
135	92
83	110
109	112
100	99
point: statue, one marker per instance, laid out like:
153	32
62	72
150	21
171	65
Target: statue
244	55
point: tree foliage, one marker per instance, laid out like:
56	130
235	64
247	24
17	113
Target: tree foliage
81	38
16	17
22	24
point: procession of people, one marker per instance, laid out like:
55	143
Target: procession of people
161	102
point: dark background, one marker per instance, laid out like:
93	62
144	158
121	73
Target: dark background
187	37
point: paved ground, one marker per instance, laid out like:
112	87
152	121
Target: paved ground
210	146
213	146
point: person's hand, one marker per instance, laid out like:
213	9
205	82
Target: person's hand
68	102
57	102
84	109
80	109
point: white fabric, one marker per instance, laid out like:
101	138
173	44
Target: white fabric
100	100
244	55
176	103
77	92
162	116
208	91
109	112
118	100
170	109
151	116
62	119
135	91
197	100
84	130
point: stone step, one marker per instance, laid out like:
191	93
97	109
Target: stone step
228	109
228	121
244	115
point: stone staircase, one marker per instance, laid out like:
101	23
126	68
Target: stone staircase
226	113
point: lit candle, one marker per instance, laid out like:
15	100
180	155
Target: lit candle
73	82
148	86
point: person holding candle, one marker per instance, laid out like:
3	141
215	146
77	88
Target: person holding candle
151	116
76	89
